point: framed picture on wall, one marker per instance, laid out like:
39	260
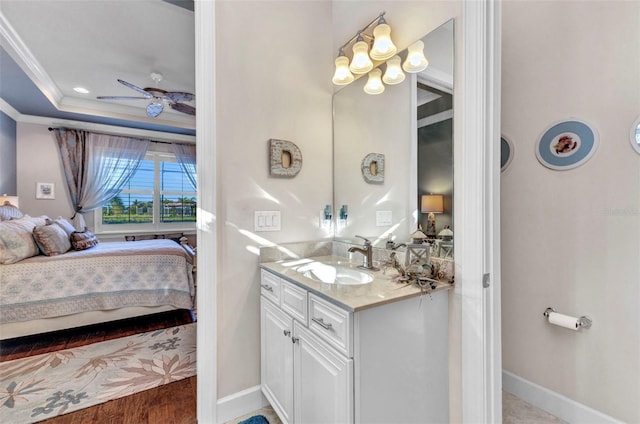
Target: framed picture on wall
45	191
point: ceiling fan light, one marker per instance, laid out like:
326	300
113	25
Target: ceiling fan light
393	74
374	84
415	61
155	108
343	75
361	63
383	48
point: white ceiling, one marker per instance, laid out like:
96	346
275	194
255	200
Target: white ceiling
63	44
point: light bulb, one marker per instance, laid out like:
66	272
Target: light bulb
343	75
393	74
383	48
374	84
360	64
415	61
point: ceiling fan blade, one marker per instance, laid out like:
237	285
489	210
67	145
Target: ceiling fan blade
121	98
181	107
178	96
136	88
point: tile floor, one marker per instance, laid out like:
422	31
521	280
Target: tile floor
514	411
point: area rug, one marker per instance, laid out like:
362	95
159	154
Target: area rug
43	386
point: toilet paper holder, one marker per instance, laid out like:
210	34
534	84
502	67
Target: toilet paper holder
583	322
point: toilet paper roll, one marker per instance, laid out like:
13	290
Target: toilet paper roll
565	321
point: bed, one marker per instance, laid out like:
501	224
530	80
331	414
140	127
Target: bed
106	282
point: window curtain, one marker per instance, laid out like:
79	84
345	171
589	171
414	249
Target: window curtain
96	167
186	156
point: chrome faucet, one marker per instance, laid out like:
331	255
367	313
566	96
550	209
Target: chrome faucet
367	252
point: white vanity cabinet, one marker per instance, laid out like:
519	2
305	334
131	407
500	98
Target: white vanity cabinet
322	363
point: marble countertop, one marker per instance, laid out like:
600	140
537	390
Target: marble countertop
383	289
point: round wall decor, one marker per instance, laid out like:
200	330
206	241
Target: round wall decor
634	136
567	144
506	153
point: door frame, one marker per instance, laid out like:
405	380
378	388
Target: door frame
478	246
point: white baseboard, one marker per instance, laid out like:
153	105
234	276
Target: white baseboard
552	402
240	403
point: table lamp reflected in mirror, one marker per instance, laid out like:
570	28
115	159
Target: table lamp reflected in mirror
431	204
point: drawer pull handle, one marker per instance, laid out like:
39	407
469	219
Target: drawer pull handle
287	333
267	287
322	324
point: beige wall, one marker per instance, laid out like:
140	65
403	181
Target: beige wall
274	67
571	239
38	160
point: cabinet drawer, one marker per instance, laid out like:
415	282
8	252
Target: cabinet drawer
331	323
294	301
270	286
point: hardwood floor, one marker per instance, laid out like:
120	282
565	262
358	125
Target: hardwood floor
170	403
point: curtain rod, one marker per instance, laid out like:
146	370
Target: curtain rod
117	135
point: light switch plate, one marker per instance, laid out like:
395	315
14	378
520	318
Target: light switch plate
384	218
266	221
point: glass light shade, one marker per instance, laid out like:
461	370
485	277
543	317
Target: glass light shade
343	75
374	84
360	64
383	48
393	73
415	61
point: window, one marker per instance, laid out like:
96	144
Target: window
158	196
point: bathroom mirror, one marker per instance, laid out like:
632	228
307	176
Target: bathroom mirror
635	135
409	125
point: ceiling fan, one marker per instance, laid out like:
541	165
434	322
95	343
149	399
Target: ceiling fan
158	97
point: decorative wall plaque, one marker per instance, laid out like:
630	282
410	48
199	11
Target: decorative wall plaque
285	158
373	168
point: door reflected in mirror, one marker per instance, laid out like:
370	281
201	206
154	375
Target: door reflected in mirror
411	125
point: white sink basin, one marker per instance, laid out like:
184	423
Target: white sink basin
334	274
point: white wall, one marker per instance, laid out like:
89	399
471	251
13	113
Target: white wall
571	239
274	68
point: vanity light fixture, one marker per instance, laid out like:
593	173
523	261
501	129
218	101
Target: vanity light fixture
415	61
381	49
374	84
393	74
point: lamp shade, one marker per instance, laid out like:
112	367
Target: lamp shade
393	73
415	61
361	64
374	84
343	75
383	48
9	200
431	203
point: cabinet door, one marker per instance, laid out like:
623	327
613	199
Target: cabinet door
277	359
323	381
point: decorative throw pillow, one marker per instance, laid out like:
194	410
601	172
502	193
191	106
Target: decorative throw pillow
51	239
8	212
81	240
65	225
16	239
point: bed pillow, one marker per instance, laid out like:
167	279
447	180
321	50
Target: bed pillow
81	240
51	239
8	212
16	239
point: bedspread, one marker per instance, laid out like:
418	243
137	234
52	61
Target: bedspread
107	276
